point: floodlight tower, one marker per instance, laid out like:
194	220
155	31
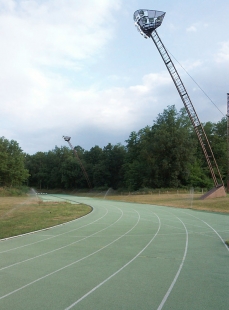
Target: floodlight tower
67	139
146	22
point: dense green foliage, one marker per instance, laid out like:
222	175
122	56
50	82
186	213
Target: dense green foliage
167	154
14	191
12	164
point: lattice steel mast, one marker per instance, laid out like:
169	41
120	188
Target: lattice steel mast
147	21
67	139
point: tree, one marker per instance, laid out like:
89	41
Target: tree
136	171
12	164
166	154
217	136
173	147
39	173
105	165
161	155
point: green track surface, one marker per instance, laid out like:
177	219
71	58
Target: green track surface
120	256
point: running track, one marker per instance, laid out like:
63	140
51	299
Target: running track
120	256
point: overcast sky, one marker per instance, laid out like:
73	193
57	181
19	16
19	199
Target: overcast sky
80	68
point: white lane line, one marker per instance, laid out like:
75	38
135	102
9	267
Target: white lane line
71	264
217	234
65	246
211	228
43	240
178	272
115	273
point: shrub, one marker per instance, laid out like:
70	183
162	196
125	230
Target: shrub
13	191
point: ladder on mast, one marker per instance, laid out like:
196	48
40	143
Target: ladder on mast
146	22
198	127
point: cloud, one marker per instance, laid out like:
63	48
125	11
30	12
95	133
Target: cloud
172	27
51	33
56	108
42	42
223	53
189	65
192	28
102	108
197	26
53	81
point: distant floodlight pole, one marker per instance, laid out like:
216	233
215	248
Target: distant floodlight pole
146	22
67	139
228	142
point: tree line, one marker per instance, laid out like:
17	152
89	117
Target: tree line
164	155
12	164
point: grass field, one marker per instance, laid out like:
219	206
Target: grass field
19	215
178	200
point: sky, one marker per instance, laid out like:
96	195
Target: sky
81	69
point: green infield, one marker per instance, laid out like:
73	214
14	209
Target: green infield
19	215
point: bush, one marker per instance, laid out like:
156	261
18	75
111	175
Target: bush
13	191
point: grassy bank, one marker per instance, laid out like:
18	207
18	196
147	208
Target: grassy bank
19	215
14	191
177	200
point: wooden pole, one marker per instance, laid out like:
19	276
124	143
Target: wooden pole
228	142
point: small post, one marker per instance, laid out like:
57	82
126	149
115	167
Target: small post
228	142
191	196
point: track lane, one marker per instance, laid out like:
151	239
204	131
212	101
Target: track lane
71	264
65	246
116	272
143	283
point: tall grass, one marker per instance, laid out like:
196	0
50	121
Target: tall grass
13	191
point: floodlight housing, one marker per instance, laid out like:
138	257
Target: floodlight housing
66	138
147	21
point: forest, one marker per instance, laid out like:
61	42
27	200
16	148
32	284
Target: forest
166	154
